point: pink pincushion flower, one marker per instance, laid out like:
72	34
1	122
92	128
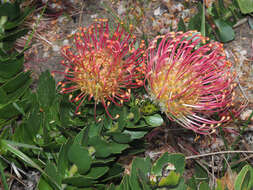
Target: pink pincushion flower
102	65
191	80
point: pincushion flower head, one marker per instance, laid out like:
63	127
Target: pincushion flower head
102	65
191	80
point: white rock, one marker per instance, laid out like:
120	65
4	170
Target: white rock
65	42
45	54
158	12
56	48
94	16
121	9
246	114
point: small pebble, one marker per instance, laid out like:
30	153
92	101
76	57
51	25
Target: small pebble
56	48
246	114
65	42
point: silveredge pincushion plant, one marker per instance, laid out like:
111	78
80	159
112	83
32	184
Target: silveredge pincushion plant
104	65
191	80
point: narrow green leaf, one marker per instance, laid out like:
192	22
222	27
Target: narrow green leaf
244	179
3	97
63	159
52	172
25	158
3	178
22	145
20	109
203	20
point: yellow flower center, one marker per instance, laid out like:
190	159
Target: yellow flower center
98	74
176	89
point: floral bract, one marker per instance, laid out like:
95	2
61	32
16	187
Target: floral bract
191	80
103	65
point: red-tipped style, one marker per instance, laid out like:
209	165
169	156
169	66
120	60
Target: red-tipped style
102	65
191	80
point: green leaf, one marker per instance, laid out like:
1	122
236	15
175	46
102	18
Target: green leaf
120	137
181	25
97	172
225	31
104	149
52	172
204	186
142	124
9	111
246	6
82	137
244	180
195	21
17	86
63	159
200	173
11	67
181	186
3	97
19	20
12	36
140	166
32	125
46	90
124	185
43	185
136	113
80	156
79	181
154	120
104	160
171	180
175	161
10	10
219	185
135	134
114	172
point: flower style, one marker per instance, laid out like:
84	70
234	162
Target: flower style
191	80
101	66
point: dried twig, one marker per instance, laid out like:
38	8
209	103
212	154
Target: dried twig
220	152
